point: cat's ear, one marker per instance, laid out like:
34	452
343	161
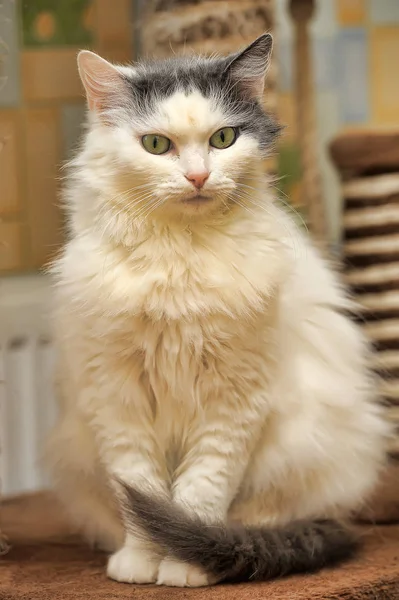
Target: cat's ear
250	66
102	81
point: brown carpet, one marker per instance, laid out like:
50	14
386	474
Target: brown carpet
46	562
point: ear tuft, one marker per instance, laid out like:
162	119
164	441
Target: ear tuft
250	66
101	80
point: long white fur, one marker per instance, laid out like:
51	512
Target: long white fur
203	347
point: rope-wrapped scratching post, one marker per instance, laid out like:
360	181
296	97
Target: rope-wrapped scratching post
302	12
368	163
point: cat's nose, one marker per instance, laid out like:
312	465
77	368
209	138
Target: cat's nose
198	178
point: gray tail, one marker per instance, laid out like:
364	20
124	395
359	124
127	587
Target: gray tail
234	553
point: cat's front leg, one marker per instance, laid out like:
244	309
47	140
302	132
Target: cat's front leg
210	476
129	450
136	561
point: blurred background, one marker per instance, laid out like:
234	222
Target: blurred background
334	84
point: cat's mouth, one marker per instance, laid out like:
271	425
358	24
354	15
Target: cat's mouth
198	199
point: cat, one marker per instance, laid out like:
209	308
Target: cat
208	371
4	545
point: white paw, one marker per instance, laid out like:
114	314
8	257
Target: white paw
178	574
132	565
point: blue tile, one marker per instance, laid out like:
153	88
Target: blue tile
324	63
10	92
323	60
324	21
283	21
352	75
285	73
384	12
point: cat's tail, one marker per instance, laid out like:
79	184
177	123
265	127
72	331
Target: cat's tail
234	553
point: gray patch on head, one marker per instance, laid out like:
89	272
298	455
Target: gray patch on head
155	81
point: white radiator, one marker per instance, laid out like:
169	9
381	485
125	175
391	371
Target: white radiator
27	404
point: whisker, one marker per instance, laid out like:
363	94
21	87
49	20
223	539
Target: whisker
285	203
247	198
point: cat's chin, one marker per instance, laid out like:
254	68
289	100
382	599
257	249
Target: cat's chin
198	205
199	200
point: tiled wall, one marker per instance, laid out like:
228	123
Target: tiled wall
41	109
356	56
356	53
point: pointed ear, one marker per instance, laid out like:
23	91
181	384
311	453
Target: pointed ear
250	66
102	81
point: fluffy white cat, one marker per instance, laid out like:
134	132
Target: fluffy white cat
208	371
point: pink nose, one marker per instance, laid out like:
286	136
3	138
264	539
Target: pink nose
197	179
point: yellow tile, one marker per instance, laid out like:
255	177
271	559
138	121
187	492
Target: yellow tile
287	115
384	84
351	12
113	25
10	162
43	157
116	54
50	74
11	246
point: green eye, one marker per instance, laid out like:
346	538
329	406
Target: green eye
223	138
155	144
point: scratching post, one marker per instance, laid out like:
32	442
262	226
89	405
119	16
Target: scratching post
301	13
368	162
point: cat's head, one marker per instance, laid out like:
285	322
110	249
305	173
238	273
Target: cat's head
179	136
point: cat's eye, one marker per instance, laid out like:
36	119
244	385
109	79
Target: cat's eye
155	144
223	138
